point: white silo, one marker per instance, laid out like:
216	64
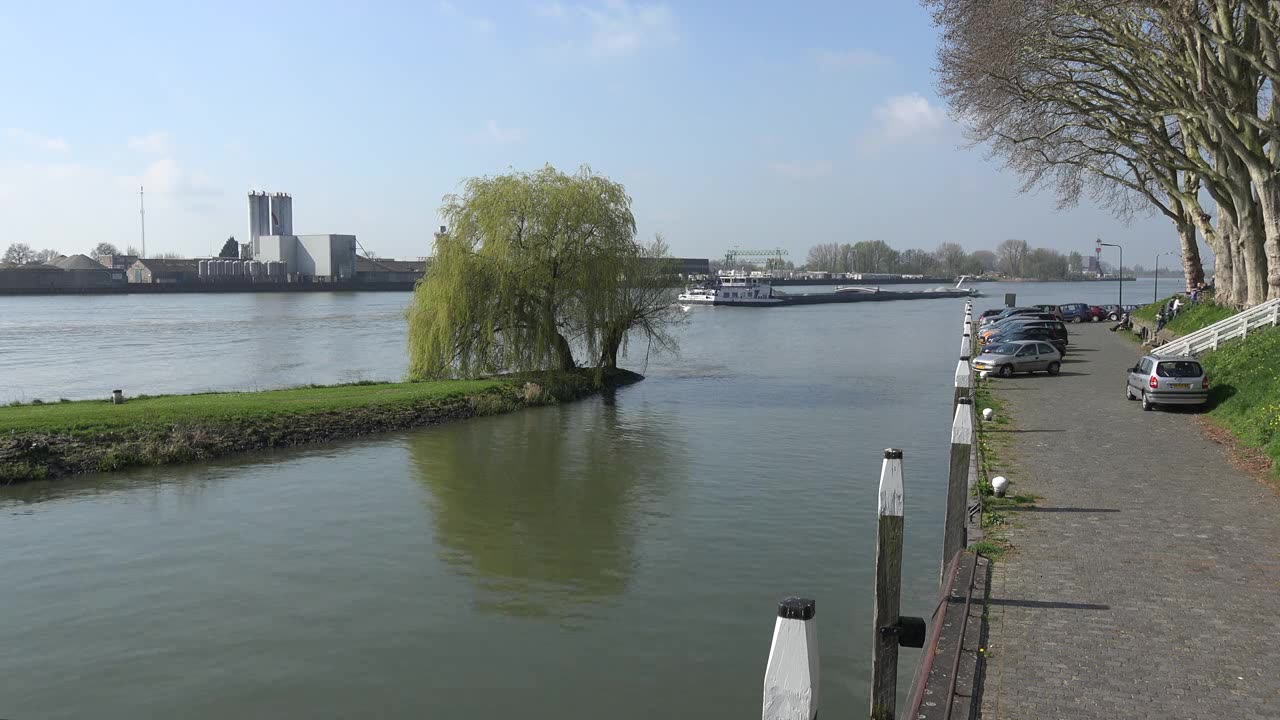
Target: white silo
281	214
203	267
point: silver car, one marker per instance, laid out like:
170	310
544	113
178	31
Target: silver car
1007	358
1160	380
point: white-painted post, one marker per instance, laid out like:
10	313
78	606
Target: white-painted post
966	343
791	677
963	380
953	530
1215	339
1275	314
888	589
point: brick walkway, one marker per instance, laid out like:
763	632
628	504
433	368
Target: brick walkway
1146	584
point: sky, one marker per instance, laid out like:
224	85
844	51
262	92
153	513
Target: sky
743	123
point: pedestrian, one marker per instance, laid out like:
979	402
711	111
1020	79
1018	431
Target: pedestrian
1195	294
1160	320
1177	305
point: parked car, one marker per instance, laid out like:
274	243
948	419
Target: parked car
1007	358
1018	320
989	312
1007	312
1051	309
1115	312
1158	380
1044	334
1074	312
1056	328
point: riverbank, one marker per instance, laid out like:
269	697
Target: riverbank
1101	608
49	440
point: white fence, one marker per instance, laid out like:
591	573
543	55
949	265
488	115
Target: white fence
1237	326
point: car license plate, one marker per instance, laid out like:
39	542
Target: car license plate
1180	386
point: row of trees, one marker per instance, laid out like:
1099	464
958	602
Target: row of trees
23	254
539	270
1169	107
1014	258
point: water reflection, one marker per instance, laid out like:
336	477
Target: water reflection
542	507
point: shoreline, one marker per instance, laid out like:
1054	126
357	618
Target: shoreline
47	441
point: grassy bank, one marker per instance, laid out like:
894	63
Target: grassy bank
49	440
1190	317
992	444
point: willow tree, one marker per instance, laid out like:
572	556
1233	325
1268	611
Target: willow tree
530	269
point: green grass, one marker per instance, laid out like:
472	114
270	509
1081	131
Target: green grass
1190	317
95	416
1245	396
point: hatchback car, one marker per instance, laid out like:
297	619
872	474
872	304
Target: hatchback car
1007	358
1051	309
1045	334
1074	312
1023	321
1007	312
1115	312
1158	380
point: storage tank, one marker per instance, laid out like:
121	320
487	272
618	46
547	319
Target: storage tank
203	267
245	267
212	269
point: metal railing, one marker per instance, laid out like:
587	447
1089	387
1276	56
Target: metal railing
1236	326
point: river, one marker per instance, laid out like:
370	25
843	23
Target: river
619	557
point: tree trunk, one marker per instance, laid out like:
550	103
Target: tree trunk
1223	257
1251	241
1268	187
1192	271
564	354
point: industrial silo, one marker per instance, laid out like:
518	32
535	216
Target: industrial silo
203	267
281	214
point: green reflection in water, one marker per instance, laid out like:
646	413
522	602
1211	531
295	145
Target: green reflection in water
542	507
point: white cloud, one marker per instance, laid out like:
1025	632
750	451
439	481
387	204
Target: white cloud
620	28
802	170
153	143
854	58
475	22
495	134
551	10
904	118
37	141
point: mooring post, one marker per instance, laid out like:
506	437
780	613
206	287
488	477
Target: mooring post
888	589
117	397
966	345
791	677
953	531
964	381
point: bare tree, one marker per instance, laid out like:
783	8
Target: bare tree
19	254
1013	256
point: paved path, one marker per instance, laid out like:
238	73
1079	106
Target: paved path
1147	582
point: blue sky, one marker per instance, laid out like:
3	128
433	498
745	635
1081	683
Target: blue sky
730	123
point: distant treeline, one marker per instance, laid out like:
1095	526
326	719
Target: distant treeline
1013	258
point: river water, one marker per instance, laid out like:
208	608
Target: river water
618	557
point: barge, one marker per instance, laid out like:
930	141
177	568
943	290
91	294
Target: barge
743	291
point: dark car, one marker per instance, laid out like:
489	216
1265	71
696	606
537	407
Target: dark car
1007	312
1036	320
1115	312
1044	334
1051	309
1074	312
1098	312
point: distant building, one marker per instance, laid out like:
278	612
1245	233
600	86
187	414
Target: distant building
157	270
377	270
117	262
77	272
327	258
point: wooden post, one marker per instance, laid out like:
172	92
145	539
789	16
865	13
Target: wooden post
888	589
953	531
964	381
791	677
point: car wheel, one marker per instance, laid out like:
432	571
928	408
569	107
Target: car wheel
1054	367
1146	402
1005	371
1112	316
1077	319
1128	394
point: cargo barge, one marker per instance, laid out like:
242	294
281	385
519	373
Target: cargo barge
742	291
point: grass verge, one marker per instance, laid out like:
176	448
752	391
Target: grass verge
991	462
1245	391
48	440
1190	317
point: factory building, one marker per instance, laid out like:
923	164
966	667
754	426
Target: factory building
319	258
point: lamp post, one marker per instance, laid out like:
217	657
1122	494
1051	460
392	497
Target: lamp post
1155	292
1120	274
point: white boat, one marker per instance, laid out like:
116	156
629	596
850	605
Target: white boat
732	290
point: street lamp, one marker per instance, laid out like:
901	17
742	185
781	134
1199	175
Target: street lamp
1119	275
1155	292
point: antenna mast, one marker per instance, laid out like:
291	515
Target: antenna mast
142	215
